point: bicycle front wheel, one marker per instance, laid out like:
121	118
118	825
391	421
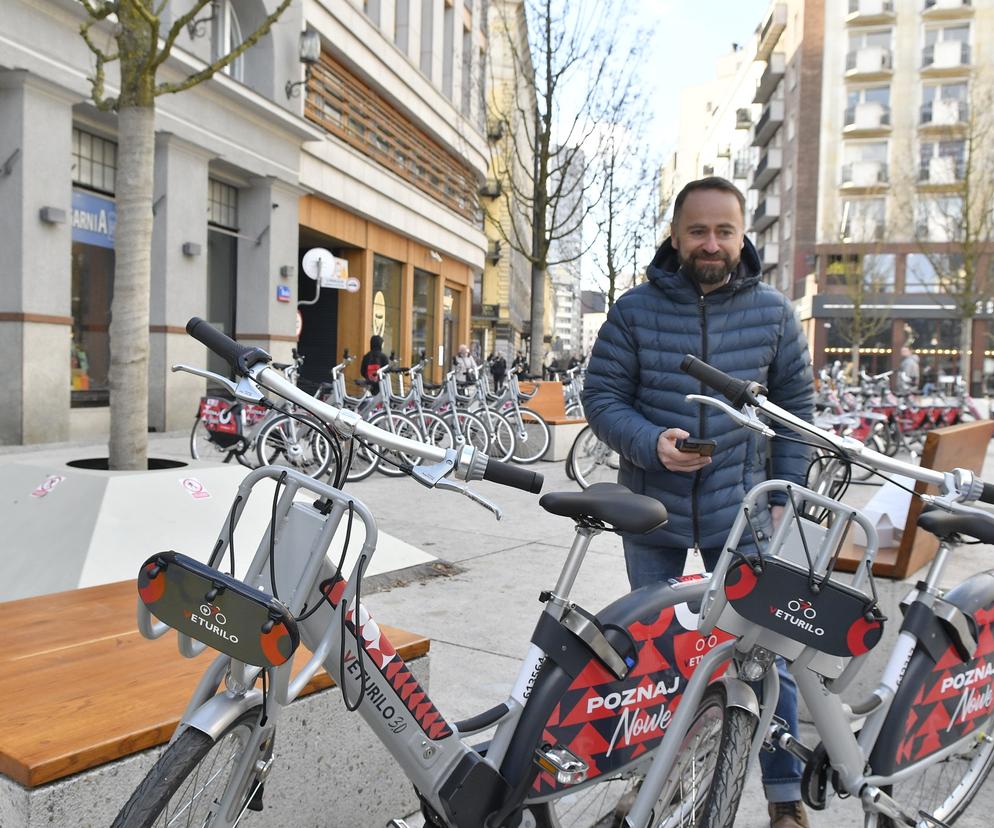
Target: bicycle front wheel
403	426
531	434
943	790
703	788
285	441
591	461
188	782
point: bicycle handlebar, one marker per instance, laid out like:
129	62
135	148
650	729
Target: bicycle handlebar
240	357
737	392
954	486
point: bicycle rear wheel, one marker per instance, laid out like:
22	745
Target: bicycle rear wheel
285	441
591	461
944	790
703	788
185	786
531	433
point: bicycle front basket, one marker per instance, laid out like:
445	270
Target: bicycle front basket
224	613
833	618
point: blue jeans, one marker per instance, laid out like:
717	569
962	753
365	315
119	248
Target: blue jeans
649	564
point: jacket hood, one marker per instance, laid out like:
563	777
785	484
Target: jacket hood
664	270
375	342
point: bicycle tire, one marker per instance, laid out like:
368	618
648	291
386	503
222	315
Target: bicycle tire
434	429
575	410
531	434
203	448
302	446
178	769
714	794
502	440
591	461
470	427
403	426
364	462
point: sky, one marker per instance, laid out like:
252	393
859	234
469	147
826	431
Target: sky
689	36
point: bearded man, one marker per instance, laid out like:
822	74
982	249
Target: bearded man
703	296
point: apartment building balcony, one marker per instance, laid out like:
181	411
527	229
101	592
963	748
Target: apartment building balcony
741	168
941	171
866	118
773	27
940	114
769	122
948	57
743	118
774	71
769	166
862	12
940	9
769	255
767	212
864	175
869	63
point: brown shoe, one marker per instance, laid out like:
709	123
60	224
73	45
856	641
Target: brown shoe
788	815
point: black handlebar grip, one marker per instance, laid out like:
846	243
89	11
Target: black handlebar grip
987	496
239	357
506	474
737	392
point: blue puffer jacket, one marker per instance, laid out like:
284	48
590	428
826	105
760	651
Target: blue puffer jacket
635	390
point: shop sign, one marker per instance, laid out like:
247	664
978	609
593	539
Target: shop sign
282	293
330	271
94	219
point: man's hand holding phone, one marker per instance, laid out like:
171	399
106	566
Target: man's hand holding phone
679	453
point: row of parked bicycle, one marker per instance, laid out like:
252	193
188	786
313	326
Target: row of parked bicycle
400	401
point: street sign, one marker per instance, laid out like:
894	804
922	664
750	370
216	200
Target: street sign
352	284
282	293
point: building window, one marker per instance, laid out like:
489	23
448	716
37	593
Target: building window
222	204
942	162
451	307
863	220
423	321
939	219
427	36
94	161
926	273
387	278
448	51
372	10
467	72
228	37
402	25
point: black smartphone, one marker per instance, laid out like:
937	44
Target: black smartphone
705	448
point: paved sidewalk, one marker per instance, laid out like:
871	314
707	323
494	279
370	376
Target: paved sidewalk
480	618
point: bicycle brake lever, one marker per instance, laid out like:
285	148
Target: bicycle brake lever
747	420
459	488
246	390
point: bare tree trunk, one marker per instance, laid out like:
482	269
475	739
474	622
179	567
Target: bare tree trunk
854	361
965	344
536	350
132	287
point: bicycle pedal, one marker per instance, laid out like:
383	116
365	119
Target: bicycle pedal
562	763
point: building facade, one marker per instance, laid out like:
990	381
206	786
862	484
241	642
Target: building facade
377	158
566	252
502	298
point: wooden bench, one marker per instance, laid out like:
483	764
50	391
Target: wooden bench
549	402
82	689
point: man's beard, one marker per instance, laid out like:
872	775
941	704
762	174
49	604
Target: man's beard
708	274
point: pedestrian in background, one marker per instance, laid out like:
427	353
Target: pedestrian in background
373	360
464	364
703	296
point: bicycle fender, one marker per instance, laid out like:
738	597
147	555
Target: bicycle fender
739	694
214	715
942	697
609	722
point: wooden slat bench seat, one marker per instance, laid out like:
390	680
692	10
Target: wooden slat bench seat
81	687
549	402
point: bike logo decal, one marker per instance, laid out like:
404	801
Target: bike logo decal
607	722
391	666
195	488
801	614
47	485
211	619
953	698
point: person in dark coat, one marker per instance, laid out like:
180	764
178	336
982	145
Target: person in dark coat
498	370
703	296
374	360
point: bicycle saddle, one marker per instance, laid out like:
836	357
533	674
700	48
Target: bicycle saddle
944	525
609	503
